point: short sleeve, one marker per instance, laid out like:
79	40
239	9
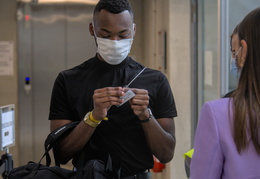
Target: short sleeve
59	105
207	160
165	104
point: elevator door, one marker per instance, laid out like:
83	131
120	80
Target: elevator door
51	38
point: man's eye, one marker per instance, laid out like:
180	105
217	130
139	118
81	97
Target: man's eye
105	36
123	36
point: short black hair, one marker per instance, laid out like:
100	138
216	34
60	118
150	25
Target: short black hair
114	6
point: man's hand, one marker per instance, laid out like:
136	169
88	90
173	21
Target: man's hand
139	103
104	98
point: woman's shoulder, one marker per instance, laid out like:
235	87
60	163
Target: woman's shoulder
219	103
220	108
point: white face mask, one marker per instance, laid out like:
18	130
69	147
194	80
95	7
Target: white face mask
113	51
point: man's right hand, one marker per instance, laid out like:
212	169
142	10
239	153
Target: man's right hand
104	98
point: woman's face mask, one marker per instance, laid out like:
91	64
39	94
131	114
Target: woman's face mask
113	51
234	67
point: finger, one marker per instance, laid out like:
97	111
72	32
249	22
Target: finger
139	101
139	97
105	99
108	99
139	108
139	105
139	91
109	94
109	91
106	105
101	90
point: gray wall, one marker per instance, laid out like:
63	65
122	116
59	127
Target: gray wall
8	84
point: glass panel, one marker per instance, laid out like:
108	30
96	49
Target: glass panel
208	63
216	20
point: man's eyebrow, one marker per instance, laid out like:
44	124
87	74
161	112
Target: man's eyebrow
120	32
107	31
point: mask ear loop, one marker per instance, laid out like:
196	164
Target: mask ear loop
239	65
95	34
238	51
94	29
235	56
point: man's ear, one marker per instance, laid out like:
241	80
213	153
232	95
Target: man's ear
243	51
134	26
91	29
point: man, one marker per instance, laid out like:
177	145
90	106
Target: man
92	93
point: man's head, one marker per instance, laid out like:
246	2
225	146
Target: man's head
113	29
113	17
113	6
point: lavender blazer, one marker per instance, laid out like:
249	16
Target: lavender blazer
215	154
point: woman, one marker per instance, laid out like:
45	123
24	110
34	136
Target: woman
227	141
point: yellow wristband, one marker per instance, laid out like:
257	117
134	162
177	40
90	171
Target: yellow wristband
94	120
90	122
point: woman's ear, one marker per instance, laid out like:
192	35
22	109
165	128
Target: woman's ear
91	29
243	52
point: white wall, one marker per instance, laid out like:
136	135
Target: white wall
173	17
137	52
180	77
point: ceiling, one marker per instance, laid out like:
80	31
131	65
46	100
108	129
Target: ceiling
92	2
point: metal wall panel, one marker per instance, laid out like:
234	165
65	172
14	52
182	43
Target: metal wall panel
53	38
81	44
25	99
48	55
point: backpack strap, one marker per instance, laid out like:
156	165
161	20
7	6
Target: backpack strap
53	137
49	143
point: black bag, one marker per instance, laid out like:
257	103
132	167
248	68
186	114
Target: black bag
36	170
96	168
92	169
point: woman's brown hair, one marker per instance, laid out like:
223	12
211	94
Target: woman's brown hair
246	98
232	35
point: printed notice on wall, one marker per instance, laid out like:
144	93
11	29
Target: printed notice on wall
6	58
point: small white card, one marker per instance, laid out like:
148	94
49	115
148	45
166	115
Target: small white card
128	95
